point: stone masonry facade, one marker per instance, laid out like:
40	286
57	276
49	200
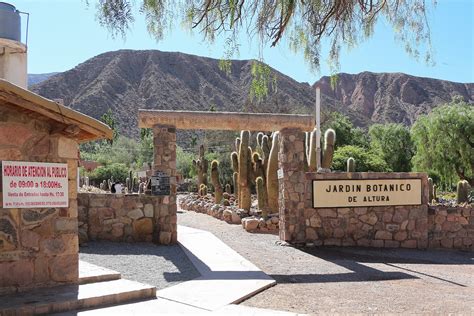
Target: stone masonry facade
376	226
414	226
291	160
164	160
451	227
38	247
126	218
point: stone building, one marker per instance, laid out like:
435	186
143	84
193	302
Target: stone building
39	246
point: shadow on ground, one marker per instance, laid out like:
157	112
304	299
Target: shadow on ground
355	260
144	262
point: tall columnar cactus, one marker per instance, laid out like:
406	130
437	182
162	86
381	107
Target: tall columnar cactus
201	165
237	144
259	139
261	196
128	185
235	186
312	152
266	147
351	165
86	181
435	196
328	150
462	192
135	184
235	176
228	189
215	181
272	175
245	168
430	190
258	169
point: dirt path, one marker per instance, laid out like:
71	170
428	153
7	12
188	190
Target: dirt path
350	280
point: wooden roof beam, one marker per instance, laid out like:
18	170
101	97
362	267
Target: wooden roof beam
235	121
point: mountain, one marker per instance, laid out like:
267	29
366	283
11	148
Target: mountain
393	97
38	78
127	80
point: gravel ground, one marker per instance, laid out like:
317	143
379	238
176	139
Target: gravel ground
161	266
350	280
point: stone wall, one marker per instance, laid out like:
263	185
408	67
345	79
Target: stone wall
451	227
124	217
38	247
164	160
377	226
291	160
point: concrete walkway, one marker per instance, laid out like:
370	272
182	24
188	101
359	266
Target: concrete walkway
226	278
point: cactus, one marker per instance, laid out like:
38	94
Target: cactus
128	184
245	168
328	151
258	170
272	176
86	181
462	192
235	161
235	179
261	196
226	202
203	190
101	186
228	189
134	184
435	197
109	184
215	181
201	165
430	190
237	144
351	165
312	161
266	146
259	139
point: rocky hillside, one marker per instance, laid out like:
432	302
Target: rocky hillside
38	78
393	97
127	80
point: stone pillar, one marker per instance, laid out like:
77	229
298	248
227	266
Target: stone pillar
164	160
292	185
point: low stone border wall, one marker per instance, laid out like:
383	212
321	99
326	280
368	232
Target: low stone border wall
124	217
451	227
231	214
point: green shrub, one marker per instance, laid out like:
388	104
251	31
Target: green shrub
118	171
366	159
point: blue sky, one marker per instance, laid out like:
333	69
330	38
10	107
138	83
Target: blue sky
64	33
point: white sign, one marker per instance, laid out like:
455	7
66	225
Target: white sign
34	184
373	192
280	174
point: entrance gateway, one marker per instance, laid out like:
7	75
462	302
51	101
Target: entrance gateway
343	208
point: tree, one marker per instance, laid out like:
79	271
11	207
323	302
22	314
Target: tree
303	23
393	142
366	160
346	133
444	142
109	119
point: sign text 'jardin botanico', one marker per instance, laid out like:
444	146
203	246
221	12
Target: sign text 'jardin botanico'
360	193
34	184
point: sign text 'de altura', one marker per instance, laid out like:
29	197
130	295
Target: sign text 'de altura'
354	193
